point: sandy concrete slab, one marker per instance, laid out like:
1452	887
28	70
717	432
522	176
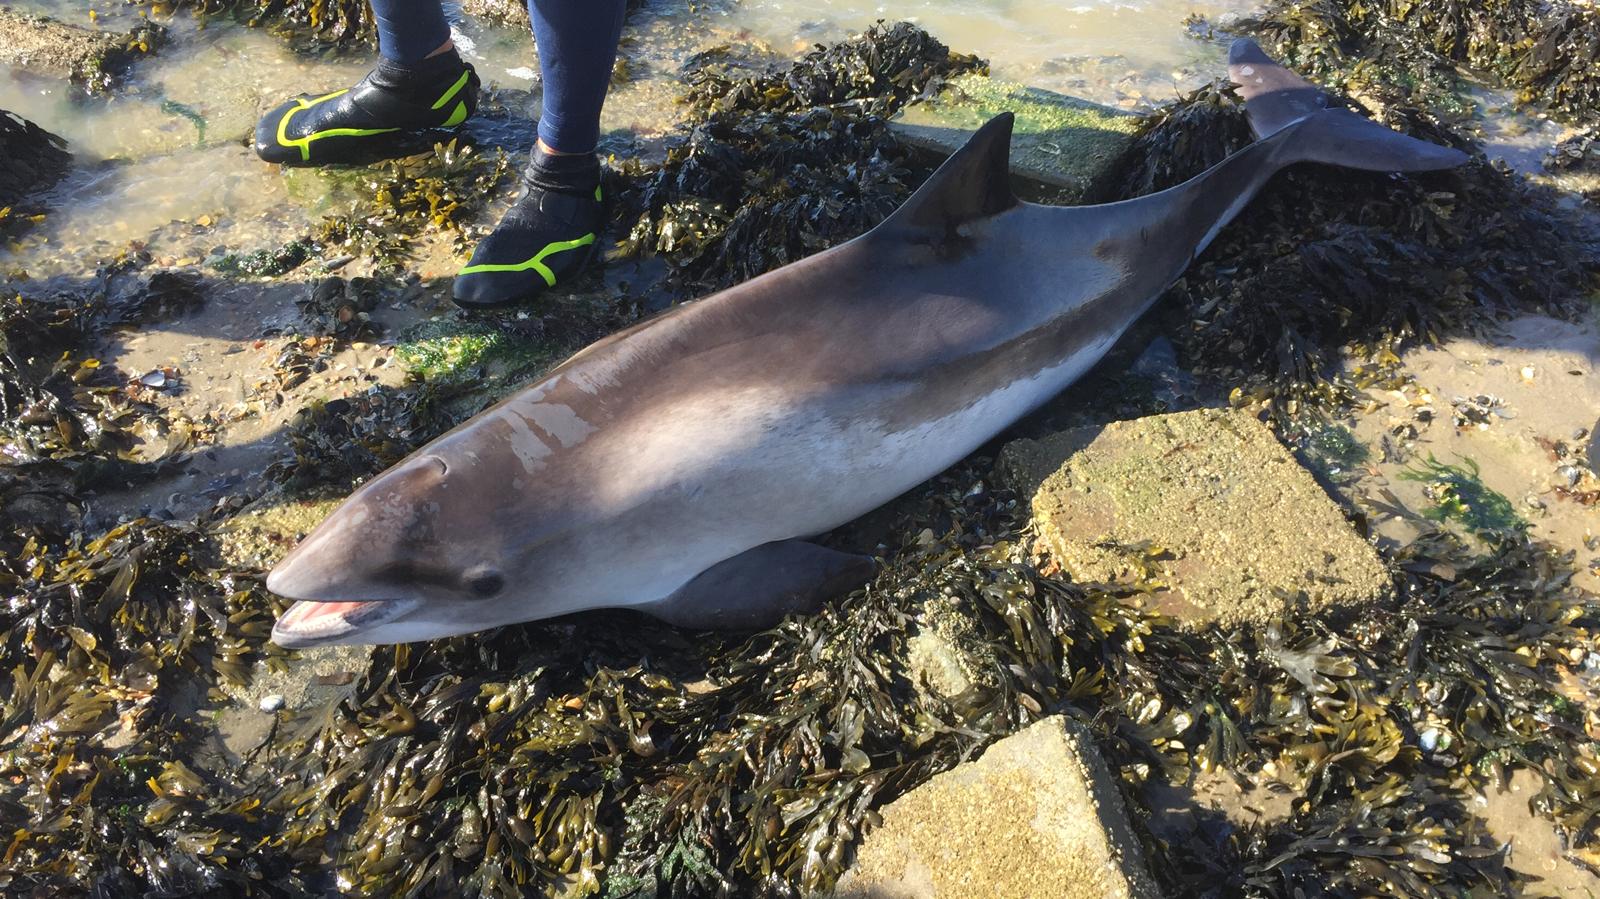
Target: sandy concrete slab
1061	147
1208	504
1037	815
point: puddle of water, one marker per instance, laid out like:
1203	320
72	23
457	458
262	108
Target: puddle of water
1544	376
170	146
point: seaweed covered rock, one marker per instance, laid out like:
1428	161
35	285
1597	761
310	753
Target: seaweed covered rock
391	202
31	160
1329	258
1578	155
88	58
339	23
771	168
1548	53
1038	814
511	13
1206	507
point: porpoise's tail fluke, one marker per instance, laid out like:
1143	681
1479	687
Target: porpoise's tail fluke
1276	98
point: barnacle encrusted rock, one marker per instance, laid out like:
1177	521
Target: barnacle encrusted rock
1062	148
947	653
1207	506
1037	815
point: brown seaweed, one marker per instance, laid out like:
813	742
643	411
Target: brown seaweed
1547	53
600	756
1334	258
769	168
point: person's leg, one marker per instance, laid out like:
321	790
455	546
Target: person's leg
410	31
551	231
577	41
419	83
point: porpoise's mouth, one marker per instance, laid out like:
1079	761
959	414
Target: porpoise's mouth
311	623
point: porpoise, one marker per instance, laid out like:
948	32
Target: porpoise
679	466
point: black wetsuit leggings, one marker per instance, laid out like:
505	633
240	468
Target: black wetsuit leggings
577	42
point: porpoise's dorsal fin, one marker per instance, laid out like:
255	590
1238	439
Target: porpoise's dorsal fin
974	183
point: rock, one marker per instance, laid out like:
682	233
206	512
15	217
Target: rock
1061	147
947	654
511	13
1207	503
31	158
319	676
503	13
1038	815
90	58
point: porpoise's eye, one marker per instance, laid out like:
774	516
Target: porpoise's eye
485	583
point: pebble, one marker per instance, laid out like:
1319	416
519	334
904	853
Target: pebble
1428	739
271	703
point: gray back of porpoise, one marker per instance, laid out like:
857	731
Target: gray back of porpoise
676	466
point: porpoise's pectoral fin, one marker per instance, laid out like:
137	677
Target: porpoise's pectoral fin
756	588
974	183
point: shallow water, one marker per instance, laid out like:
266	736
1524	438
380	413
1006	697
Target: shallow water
1133	54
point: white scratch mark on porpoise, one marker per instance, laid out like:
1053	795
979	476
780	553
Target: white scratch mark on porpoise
527	446
591	382
559	422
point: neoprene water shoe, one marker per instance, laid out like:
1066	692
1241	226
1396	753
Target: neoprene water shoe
389	113
548	236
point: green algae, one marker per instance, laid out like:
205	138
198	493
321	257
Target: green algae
445	355
449	349
1037	112
268	263
1331	450
1058	140
1459	495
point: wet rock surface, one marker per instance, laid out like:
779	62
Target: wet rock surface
1207	504
1038	814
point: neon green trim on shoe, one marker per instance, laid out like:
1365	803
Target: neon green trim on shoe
454	89
457	117
597	193
304	143
536	263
